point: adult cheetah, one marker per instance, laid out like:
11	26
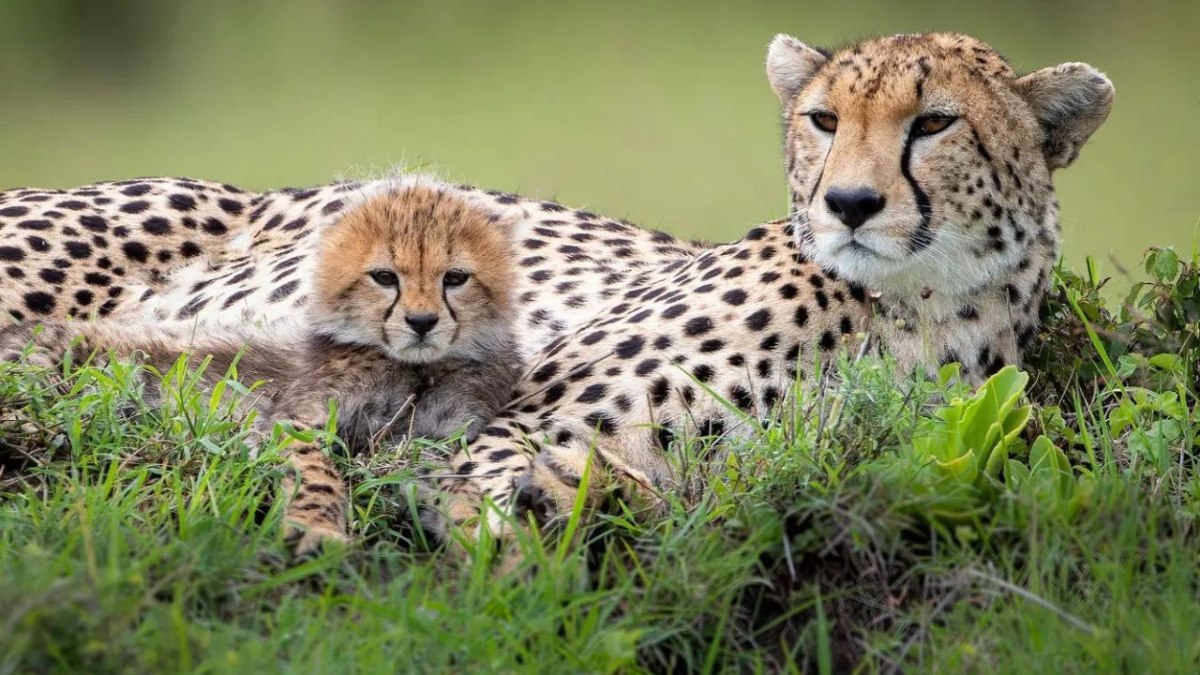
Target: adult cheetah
920	171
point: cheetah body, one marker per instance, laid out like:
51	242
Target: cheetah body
919	167
200	253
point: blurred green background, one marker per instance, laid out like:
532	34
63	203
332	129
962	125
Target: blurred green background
655	111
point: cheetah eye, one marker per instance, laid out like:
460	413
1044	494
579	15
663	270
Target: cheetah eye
928	125
824	121
455	278
384	277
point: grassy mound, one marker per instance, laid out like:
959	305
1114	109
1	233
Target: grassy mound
1048	518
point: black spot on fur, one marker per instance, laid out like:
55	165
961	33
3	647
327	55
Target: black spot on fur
554	393
136	190
234	298
78	250
40	302
93	223
214	226
135	207
659	391
801	316
602	422
52	276
181	202
630	347
135	251
759	319
593	393
157	226
189	249
284	291
674	311
192	308
734	297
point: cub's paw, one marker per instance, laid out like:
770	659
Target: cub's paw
307	542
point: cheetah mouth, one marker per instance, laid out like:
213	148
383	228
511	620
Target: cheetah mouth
854	246
418	352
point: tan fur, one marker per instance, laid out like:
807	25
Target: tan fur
356	348
420	238
961	253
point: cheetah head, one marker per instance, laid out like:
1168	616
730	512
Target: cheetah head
923	162
418	271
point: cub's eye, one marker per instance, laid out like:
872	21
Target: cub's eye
453	278
384	277
928	125
824	121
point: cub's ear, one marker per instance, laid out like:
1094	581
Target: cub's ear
790	65
1070	101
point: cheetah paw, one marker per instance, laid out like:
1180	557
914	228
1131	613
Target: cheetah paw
307	542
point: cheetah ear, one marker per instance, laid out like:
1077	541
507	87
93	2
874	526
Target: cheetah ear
1070	101
790	65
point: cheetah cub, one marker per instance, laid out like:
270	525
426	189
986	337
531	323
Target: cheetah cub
408	329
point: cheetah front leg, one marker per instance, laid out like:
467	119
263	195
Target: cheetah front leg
589	467
316	501
497	486
498	468
314	491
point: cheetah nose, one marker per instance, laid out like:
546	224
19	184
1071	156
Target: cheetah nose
421	323
854	206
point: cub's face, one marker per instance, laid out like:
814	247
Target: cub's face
922	161
418	271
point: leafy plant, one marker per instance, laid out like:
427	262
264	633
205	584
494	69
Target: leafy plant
971	450
1151	338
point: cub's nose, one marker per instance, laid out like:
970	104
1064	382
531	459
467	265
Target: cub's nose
853	206
421	323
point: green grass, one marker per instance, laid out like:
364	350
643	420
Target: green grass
848	534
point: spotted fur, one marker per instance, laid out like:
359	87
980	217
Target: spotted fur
77	253
258	266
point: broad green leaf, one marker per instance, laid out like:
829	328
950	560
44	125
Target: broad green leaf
996	461
1167	362
961	467
1166	264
